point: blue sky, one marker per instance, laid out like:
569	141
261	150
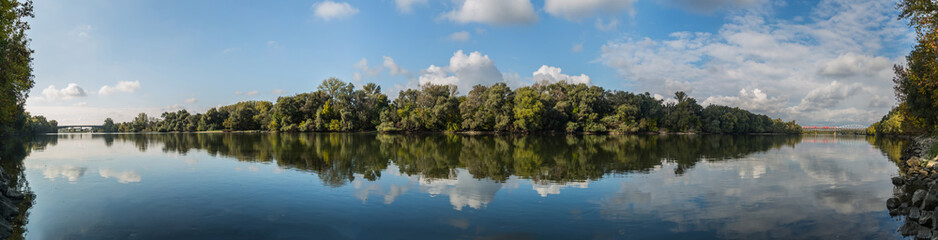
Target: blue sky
817	62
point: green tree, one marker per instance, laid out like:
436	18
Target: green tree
16	77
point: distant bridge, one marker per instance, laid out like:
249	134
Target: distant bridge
80	126
848	127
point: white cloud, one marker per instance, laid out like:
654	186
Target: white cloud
122	176
238	92
252	93
554	74
393	68
461	36
498	12
278	91
71	91
756	100
122	86
851	64
578	9
464	71
853	42
577	48
611	25
191	100
329	10
407	6
363	66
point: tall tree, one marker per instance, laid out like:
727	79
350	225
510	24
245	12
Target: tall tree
16	72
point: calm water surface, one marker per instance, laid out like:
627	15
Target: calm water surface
372	186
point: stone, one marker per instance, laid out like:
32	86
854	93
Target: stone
918	196
914	162
909	228
914	213
924	233
892	203
897	181
931	164
930	201
927	218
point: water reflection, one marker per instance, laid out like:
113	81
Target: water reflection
337	158
12	153
367	186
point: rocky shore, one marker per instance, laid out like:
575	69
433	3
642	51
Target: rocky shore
10	202
916	192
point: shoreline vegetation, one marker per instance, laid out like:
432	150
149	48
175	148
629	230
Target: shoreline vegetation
337	106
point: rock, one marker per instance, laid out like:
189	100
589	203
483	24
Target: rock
914	213
918	196
894	212
897	181
914	162
924	233
931	164
892	203
930	201
909	228
927	218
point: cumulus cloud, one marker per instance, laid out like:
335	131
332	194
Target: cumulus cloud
554	74
754	100
122	86
607	26
852	64
329	10
191	100
407	6
71	91
278	91
461	36
464	71
387	63
498	12
393	68
578	9
238	92
363	66
252	93
851	42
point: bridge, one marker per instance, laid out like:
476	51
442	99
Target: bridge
80	126
844	128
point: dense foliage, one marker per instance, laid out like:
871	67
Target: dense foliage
16	71
917	83
556	107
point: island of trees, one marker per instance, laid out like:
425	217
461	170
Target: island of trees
337	106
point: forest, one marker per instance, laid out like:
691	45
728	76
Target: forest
338	106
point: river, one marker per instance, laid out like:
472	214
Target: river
434	186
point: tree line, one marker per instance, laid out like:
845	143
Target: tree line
916	84
16	71
337	106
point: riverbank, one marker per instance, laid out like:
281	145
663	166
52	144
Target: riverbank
11	200
916	193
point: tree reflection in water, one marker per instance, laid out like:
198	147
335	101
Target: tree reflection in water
337	157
